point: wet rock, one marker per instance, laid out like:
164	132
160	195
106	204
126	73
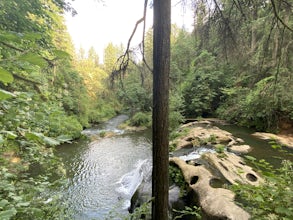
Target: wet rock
284	140
232	168
143	194
200	136
240	149
216	203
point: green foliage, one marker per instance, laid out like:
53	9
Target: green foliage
176	177
272	199
236	63
40	104
179	133
133	95
25	112
5	76
175	111
28	198
141	119
194	211
141	212
220	149
25	146
261	107
201	90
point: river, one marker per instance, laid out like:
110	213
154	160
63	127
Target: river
96	170
103	173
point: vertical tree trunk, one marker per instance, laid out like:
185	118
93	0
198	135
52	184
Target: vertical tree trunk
161	62
253	28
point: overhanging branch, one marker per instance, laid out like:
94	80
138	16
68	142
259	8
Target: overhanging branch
123	61
278	16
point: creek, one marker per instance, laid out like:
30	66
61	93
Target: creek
103	173
96	170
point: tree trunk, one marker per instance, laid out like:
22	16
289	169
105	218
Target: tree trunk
253	29
161	62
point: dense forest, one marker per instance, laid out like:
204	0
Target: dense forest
48	95
236	64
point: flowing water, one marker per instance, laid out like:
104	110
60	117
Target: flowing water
96	170
104	173
261	149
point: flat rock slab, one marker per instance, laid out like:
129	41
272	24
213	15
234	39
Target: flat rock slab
217	203
240	149
284	140
198	136
232	168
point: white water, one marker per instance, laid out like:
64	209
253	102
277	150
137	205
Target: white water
196	153
129	182
104	174
95	170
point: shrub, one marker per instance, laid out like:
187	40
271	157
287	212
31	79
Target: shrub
141	119
273	199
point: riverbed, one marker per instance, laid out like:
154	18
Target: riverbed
103	173
95	168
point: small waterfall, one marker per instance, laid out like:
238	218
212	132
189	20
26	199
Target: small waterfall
109	126
142	172
195	154
129	182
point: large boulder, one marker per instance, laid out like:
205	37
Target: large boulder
232	168
216	203
143	194
198	135
240	149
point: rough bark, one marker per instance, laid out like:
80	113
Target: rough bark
161	62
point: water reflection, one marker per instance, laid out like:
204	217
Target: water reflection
95	168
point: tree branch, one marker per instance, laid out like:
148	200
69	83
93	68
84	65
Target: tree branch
12	47
50	62
278	17
143	38
124	59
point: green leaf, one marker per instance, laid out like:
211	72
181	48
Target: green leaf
7	214
51	141
250	158
1	139
9	36
283	210
5	76
259	199
33	59
3	203
64	139
23	204
32	36
5	94
9	134
34	136
61	54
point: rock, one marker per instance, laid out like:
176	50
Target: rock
285	140
240	149
232	168
199	136
216	203
143	194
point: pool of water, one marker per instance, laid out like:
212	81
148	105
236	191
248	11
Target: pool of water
94	170
102	174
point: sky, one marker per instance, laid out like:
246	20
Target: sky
99	23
